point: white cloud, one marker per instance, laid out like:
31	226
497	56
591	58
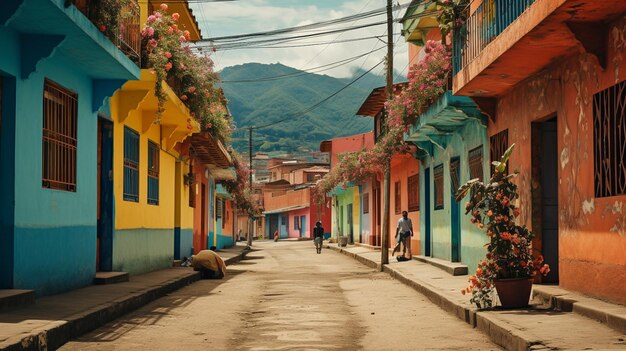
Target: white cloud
248	16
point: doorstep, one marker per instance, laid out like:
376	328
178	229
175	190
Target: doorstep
103	278
453	268
612	315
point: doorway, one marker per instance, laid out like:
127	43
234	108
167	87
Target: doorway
455	218
104	252
303	226
427	212
546	195
350	228
273	223
203	221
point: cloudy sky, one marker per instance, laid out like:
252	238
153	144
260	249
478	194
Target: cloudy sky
219	19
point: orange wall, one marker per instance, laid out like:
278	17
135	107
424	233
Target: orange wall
402	167
592	231
199	236
290	198
349	144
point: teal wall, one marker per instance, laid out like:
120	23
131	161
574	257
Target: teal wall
472	135
183	243
48	237
142	250
342	198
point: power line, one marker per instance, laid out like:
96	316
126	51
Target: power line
318	104
307	71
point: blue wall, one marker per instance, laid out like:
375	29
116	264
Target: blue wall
48	237
183	243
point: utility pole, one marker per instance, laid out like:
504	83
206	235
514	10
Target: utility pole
384	252
250	219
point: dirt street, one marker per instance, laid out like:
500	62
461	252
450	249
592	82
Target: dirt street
286	297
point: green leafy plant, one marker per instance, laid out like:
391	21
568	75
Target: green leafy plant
509	250
191	77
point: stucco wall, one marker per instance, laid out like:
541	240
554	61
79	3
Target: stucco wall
592	231
402	167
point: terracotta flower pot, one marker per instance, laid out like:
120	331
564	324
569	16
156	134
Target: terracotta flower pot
514	293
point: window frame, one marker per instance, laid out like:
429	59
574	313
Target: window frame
475	159
413	187
438	187
59	137
397	197
365	203
498	143
131	167
154	161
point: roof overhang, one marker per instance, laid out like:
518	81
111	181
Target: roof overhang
209	150
137	96
435	126
220	173
418	20
286	209
376	100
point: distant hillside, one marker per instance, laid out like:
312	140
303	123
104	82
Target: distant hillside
258	103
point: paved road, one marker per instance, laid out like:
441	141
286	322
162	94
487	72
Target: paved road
286	297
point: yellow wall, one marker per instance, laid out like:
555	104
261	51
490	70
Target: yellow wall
130	214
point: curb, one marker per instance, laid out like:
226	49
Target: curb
498	331
58	333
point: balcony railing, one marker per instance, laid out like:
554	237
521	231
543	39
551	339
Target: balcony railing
490	19
125	31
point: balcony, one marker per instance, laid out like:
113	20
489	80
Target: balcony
126	26
504	42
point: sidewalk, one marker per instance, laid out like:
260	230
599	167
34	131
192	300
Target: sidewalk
544	326
54	320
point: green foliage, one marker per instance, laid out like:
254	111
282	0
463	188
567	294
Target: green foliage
509	251
258	103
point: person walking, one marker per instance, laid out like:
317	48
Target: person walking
404	231
318	236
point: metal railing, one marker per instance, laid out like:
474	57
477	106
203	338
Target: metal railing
483	25
125	34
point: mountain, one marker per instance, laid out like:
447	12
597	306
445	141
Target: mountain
256	100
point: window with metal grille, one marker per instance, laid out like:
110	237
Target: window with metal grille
475	157
153	173
609	141
366	203
192	186
60	117
498	144
438	177
219	208
413	183
131	165
397	199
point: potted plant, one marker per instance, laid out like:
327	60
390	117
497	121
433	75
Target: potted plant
509	265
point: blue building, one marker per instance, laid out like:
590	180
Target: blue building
56	72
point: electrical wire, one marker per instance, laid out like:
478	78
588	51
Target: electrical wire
308	71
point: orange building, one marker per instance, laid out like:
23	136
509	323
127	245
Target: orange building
551	75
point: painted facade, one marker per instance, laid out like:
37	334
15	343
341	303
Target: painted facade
42	211
555	89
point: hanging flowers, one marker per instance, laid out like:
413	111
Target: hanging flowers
190	76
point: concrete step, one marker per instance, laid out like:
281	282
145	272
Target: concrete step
177	263
611	315
12	298
103	278
453	268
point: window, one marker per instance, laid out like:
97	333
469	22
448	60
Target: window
192	186
60	117
366	203
310	177
153	173
131	165
438	173
296	222
455	174
397	198
609	141
414	192
219	208
498	144
475	157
